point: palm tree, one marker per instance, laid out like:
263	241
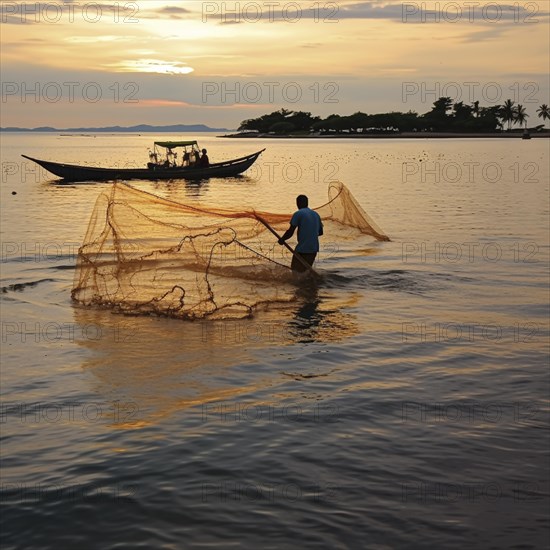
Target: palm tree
544	112
508	113
475	108
494	115
520	115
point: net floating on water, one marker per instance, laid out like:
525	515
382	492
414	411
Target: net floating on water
143	254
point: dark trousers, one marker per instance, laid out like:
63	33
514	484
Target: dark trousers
297	265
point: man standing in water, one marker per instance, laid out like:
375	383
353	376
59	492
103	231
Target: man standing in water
310	228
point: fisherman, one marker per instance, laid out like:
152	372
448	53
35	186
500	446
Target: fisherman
310	228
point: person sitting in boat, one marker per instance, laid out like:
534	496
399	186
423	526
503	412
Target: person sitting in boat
204	161
186	159
310	228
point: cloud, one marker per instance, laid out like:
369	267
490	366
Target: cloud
164	103
312	45
95	39
166	12
403	12
412	12
482	36
398	70
50	13
152	66
446	12
325	12
174	10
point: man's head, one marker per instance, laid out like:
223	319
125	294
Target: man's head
302	201
204	151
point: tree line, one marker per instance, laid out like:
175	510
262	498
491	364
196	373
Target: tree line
444	116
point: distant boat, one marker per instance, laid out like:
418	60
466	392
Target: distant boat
160	166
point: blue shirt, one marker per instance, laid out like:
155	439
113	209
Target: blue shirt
309	227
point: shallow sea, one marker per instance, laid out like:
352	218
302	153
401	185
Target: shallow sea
402	404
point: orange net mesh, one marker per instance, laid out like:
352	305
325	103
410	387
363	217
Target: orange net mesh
143	254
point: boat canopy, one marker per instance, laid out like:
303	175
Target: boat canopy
174	144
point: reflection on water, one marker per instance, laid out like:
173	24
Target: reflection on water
318	320
167	365
178	190
171	189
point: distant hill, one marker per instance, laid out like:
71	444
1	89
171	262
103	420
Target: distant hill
174	129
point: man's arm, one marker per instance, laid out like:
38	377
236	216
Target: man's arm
289	232
321	228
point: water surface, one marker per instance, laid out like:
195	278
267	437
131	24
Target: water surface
401	404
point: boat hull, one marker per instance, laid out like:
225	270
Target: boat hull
74	173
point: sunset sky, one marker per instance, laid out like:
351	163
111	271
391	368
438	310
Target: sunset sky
68	64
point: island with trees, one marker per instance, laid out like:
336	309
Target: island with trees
445	119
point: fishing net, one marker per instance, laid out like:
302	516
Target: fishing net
143	254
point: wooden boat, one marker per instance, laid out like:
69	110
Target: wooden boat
167	169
